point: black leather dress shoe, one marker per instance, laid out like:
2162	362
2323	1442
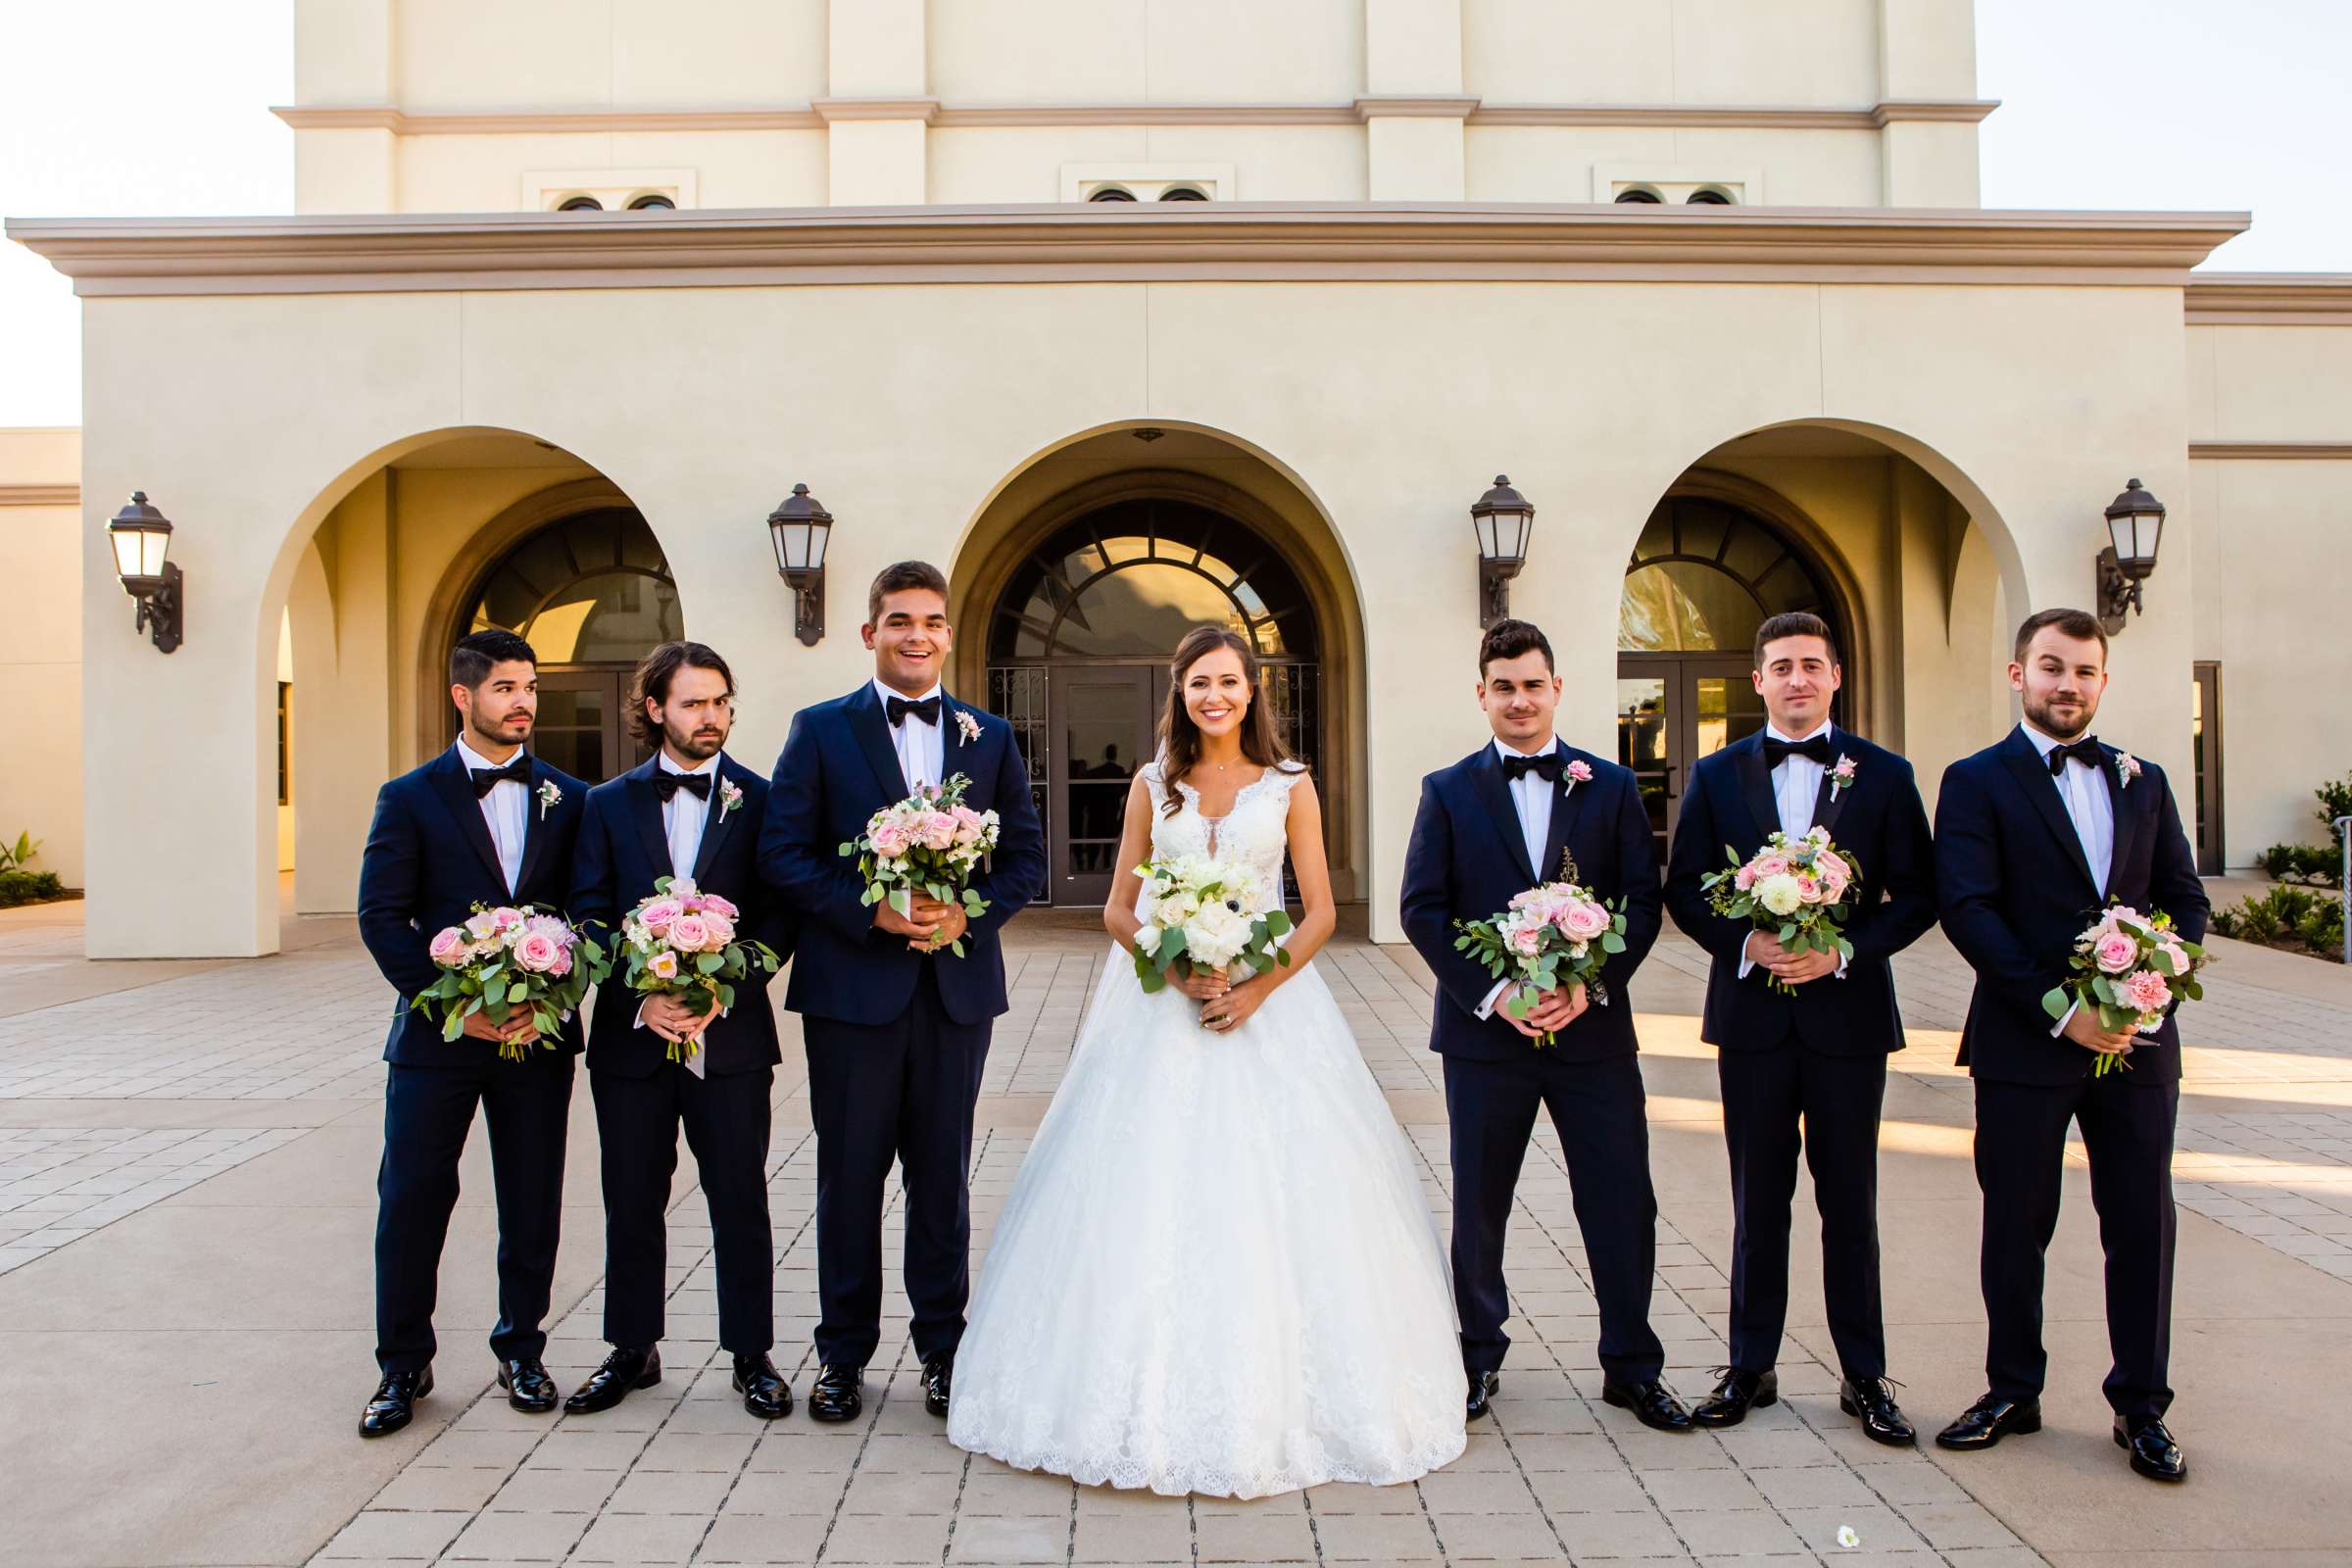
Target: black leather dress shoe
395	1402
528	1387
1653	1404
1883	1420
764	1392
1737	1393
624	1371
1990	1420
939	1381
835	1396
1482	1389
2153	1452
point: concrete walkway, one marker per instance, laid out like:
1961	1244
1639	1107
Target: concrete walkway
187	1154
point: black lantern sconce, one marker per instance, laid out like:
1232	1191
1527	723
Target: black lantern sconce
2135	526
1503	518
141	537
801	527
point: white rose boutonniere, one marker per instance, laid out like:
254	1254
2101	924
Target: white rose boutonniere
2126	769
967	726
549	795
731	796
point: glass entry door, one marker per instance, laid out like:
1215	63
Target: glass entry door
1672	709
579	728
1103	717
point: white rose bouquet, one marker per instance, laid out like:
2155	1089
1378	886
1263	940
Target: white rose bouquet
1794	888
1201	917
505	957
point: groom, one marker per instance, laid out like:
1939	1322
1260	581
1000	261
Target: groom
896	1025
1505	818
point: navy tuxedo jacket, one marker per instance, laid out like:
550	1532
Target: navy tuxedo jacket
623	852
1468	859
1880	819
838	769
429	861
2017	892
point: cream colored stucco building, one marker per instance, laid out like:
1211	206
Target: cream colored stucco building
1707	278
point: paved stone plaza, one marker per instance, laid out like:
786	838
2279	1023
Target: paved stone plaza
187	1154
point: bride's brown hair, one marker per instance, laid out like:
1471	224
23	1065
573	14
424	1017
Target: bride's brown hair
1180	737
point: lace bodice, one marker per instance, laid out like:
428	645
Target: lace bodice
1255	832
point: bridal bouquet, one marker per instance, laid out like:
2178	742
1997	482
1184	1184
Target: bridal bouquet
505	957
1199	917
2133	967
1552	936
929	843
681	942
1794	888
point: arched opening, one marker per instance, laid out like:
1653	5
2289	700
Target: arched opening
1082	573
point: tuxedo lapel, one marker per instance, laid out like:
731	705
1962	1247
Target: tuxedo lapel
1567	805
455	791
1828	800
2123	810
715	828
1485	778
535	827
873	729
1755	784
645	809
2033	777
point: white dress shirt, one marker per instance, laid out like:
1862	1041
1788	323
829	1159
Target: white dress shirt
684	813
1532	793
506	809
921	747
2093	813
1796	786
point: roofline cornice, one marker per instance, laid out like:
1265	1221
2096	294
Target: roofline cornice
2269	299
1121	242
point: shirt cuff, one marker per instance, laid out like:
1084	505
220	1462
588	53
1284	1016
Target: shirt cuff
2059	1027
1746	964
1486	1009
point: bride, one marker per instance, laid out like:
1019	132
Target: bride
1216	1272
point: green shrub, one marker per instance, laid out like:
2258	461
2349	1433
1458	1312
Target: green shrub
2287	914
17	855
2305	862
28	886
2323	929
2335	800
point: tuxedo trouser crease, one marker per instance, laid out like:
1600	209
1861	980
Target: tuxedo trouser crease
2127	1131
1597	1107
901	1091
1766	1096
727	1121
428	1112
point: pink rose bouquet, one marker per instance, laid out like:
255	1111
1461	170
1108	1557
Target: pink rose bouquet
1794	888
2133	967
681	942
503	958
929	843
1553	936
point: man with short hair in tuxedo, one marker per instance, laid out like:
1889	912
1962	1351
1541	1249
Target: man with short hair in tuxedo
1805	1067
2034	837
482	824
896	1024
692	812
1509	817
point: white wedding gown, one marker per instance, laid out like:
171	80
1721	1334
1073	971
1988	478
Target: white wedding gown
1216	1272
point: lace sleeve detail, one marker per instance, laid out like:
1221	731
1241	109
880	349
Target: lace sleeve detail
1155	781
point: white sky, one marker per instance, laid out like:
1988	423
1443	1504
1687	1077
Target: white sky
161	107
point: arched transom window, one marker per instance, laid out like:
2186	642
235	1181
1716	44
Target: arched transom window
1705	576
591	588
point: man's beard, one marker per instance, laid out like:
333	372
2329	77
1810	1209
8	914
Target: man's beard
2047	722
701	748
495	733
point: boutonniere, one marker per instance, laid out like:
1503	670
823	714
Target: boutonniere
2126	769
1842	778
549	795
966	726
1578	771
731	796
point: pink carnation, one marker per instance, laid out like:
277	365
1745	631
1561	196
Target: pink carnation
2115	953
1582	922
2145	992
448	949
537	953
563	964
689	933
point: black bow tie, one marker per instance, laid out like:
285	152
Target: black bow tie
927	711
668	784
1778	751
1516	766
2086	751
486	779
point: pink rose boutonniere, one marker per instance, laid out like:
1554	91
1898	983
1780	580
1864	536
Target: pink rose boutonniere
1842	778
966	726
731	796
1578	771
2126	769
549	795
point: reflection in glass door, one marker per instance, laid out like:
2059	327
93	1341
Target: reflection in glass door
1102	720
1673	710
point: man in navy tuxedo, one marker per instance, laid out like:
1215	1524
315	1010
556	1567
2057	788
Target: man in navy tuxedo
1815	1053
2034	837
689	813
1509	817
896	1024
482	824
